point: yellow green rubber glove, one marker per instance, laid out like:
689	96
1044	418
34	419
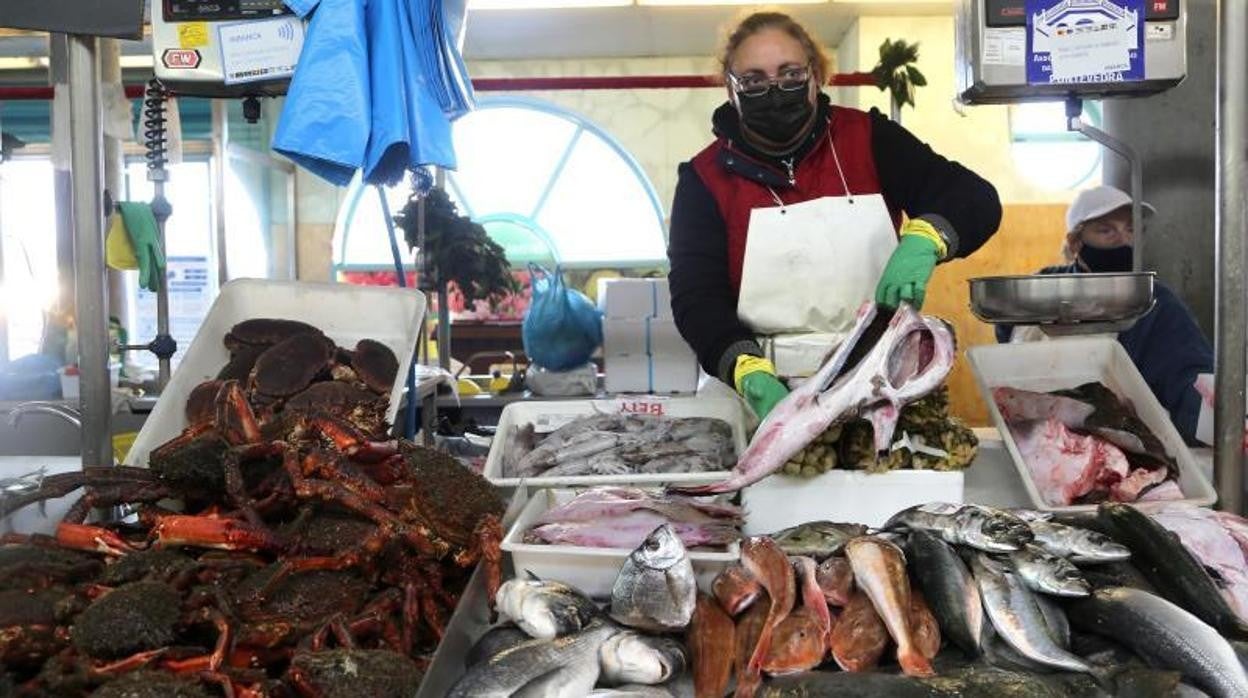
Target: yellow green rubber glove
141	228
756	381
906	275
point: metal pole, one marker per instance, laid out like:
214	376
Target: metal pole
114	177
91	310
220	161
444	309
1231	347
1076	124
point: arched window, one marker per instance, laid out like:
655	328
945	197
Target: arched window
547	184
1047	154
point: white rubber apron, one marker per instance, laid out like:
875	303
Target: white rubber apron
808	268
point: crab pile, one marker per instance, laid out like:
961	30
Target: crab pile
280	545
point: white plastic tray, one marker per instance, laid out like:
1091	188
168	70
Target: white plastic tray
550	415
346	314
592	570
853	496
1068	363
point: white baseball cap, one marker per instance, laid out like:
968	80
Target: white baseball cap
1098	201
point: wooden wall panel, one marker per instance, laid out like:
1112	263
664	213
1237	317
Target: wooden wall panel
1030	238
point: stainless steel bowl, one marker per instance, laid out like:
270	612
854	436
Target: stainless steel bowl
1081	302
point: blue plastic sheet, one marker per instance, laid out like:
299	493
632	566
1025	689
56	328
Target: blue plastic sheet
376	88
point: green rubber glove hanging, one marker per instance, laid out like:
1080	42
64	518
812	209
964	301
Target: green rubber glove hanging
756	381
141	228
908	270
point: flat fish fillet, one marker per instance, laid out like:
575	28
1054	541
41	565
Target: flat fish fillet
1065	466
1217	549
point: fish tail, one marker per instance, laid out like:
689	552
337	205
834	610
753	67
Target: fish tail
913	663
748	683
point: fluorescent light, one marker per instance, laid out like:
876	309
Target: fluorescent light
726	2
543	4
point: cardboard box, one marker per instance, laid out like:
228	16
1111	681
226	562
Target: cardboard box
624	337
634	298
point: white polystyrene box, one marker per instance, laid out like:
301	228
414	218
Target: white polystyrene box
853	496
1068	363
624	336
547	416
592	570
670	375
634	298
345	313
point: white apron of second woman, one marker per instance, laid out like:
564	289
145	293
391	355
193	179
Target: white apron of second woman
808	268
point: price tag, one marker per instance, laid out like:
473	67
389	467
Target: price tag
655	407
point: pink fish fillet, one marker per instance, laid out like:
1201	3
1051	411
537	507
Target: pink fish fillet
630	531
1203	533
1028	406
1065	466
1135	482
911	359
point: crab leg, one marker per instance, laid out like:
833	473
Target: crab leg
91	539
134	661
235	487
235	420
208	532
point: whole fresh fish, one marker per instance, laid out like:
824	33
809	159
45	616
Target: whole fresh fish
1055	620
1165	635
656	589
749	629
924	626
817	539
578	447
630	657
911	359
836	579
608	502
632	692
1079	545
764	560
495	640
1047	573
1017	618
712	646
803	638
545	609
812	596
950	590
735	589
1171	567
859	637
990	530
540	665
880	571
629	531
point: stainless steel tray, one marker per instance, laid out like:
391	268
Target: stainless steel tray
1078	303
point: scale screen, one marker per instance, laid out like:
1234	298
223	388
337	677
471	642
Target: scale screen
200	10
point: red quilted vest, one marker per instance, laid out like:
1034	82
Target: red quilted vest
815	176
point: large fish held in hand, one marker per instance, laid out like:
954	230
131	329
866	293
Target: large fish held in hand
911	359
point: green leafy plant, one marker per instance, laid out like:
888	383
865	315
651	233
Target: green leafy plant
896	73
459	249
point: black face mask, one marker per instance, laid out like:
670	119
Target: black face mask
776	115
1114	259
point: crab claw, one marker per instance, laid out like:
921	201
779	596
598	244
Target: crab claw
91	539
209	532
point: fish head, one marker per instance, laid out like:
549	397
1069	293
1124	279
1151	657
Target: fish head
638	658
1093	545
661	549
992	531
797	644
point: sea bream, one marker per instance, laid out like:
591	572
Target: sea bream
545	609
565	666
656	589
911	359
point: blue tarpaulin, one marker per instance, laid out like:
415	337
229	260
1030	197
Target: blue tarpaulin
376	88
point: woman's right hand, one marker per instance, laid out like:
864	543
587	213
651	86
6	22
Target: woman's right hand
756	381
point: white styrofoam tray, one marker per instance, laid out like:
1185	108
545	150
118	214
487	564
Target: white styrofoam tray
548	416
853	496
345	313
1062	364
592	570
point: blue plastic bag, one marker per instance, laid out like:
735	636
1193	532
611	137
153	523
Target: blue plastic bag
562	328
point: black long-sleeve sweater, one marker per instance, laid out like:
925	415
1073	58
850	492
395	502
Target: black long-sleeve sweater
913	178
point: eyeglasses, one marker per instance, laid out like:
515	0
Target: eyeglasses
756	83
